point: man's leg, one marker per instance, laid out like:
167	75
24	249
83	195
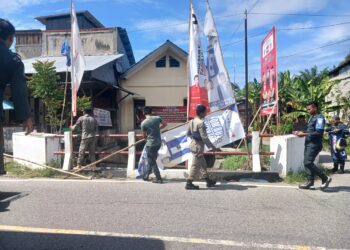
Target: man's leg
153	164
195	167
335	166
82	150
204	172
2	163
92	151
308	164
342	166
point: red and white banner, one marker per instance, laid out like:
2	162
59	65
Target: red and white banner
78	60
269	73
197	71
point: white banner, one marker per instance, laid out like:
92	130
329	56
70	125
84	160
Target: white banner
220	92
103	117
223	127
78	60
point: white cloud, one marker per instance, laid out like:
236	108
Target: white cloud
12	6
296	28
167	26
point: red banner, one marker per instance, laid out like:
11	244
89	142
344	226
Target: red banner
197	96
269	89
171	114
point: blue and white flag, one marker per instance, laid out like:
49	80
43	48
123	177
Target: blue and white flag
223	127
65	51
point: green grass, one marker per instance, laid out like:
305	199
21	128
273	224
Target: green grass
15	169
299	177
234	162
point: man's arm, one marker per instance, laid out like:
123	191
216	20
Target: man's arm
77	124
163	124
19	91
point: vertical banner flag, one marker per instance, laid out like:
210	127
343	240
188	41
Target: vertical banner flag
78	60
223	127
269	90
220	92
197	72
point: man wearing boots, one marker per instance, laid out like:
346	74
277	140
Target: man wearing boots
197	130
337	140
313	146
151	127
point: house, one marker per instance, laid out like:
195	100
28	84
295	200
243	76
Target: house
108	53
158	80
341	90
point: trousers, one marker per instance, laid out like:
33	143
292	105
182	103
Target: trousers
152	155
199	164
310	154
88	144
2	149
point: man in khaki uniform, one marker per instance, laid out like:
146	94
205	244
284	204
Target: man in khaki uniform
89	129
197	130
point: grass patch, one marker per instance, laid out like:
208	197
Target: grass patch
299	177
234	162
18	170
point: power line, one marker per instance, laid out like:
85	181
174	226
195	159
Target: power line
304	51
299	14
315	27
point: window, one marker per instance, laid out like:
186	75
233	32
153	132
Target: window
173	62
161	63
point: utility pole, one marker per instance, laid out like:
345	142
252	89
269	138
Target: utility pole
246	122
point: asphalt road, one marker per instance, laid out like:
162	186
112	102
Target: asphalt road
49	214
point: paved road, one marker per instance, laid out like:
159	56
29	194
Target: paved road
49	214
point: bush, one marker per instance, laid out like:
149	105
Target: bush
235	162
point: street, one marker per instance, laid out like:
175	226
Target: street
72	214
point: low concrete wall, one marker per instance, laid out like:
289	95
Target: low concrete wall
37	148
289	154
8	131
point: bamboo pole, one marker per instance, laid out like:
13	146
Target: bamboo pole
250	125
55	169
108	156
64	101
269	118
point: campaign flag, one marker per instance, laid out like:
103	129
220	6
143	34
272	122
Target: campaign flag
78	60
65	51
223	127
197	71
269	89
220	92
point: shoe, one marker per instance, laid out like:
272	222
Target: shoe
307	185
190	186
334	170
210	183
342	170
325	183
146	178
158	181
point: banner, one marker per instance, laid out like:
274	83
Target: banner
197	72
223	127
78	60
269	89
103	117
220	92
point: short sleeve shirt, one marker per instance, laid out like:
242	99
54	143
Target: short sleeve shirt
88	125
152	128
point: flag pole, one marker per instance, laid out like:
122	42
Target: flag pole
73	59
64	100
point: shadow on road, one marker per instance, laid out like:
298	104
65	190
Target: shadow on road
41	241
337	189
7	197
326	158
231	187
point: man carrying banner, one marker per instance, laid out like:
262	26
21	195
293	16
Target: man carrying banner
198	131
151	127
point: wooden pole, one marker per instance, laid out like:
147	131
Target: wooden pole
269	118
250	125
64	100
108	156
55	169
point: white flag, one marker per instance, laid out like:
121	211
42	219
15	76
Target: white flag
78	60
220	93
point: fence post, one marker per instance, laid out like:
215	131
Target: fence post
68	150
255	151
132	154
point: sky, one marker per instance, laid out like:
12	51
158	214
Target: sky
151	22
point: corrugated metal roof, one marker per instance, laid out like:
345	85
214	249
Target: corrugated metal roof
92	62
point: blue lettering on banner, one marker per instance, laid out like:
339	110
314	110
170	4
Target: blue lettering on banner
175	149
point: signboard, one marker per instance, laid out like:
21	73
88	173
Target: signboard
269	89
103	117
171	114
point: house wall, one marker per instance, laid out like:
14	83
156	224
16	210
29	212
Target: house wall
158	86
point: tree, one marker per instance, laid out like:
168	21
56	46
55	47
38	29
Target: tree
43	85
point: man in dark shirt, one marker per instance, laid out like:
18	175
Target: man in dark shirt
12	73
151	127
313	146
301	125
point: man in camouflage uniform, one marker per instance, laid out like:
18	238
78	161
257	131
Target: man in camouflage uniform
89	128
12	73
197	130
313	146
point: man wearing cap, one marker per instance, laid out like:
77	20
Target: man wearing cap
313	146
12	73
337	140
89	128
